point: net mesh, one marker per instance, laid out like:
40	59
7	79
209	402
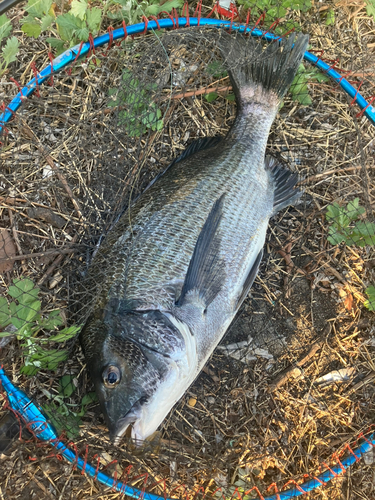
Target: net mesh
292	380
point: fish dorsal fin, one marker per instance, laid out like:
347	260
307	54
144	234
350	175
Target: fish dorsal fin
250	279
285	184
198	145
194	147
206	271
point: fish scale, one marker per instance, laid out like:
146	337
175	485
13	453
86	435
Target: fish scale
175	268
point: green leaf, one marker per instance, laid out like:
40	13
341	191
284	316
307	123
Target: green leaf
370	303
67	25
354	210
370	8
216	69
89	398
79	9
330	17
230	97
363	234
26	313
66	386
63	420
4	312
53	320
32	29
48	359
335	237
23	287
82	34
93	18
46	22
5	26
37	8
65	334
211	96
55	42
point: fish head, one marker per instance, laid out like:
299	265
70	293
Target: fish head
141	363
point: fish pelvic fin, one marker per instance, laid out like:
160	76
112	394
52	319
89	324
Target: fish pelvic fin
285	193
259	72
206	271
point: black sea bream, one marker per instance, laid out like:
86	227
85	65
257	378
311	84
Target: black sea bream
177	265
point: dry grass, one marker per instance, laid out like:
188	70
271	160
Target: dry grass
267	418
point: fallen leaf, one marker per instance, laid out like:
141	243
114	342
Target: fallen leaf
348	302
7	249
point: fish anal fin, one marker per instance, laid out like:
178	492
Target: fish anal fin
250	279
285	181
206	272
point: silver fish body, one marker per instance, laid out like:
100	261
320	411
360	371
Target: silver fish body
179	263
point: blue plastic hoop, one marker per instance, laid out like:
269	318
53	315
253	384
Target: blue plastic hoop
72	54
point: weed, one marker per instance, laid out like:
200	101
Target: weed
137	111
343	229
299	89
275	9
25	315
64	415
10	50
370	8
131	11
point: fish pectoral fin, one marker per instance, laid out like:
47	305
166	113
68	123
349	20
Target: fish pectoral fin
249	279
285	184
206	272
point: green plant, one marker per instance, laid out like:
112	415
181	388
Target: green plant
299	89
67	416
137	110
370	302
343	229
275	8
10	50
30	326
131	11
68	29
370	8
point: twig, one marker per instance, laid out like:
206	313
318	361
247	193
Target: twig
39	254
332	172
55	263
294	371
206	90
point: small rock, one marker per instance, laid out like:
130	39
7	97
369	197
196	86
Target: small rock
192	402
211	400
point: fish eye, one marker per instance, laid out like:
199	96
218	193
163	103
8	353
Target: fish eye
111	376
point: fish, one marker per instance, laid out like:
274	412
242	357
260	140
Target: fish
177	265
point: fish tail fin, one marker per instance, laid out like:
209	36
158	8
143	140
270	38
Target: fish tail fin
262	74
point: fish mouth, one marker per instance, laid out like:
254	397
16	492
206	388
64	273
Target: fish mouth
119	428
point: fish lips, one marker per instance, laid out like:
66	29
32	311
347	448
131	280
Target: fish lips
117	428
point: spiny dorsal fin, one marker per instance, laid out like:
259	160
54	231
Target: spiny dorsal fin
285	184
194	147
206	271
198	145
